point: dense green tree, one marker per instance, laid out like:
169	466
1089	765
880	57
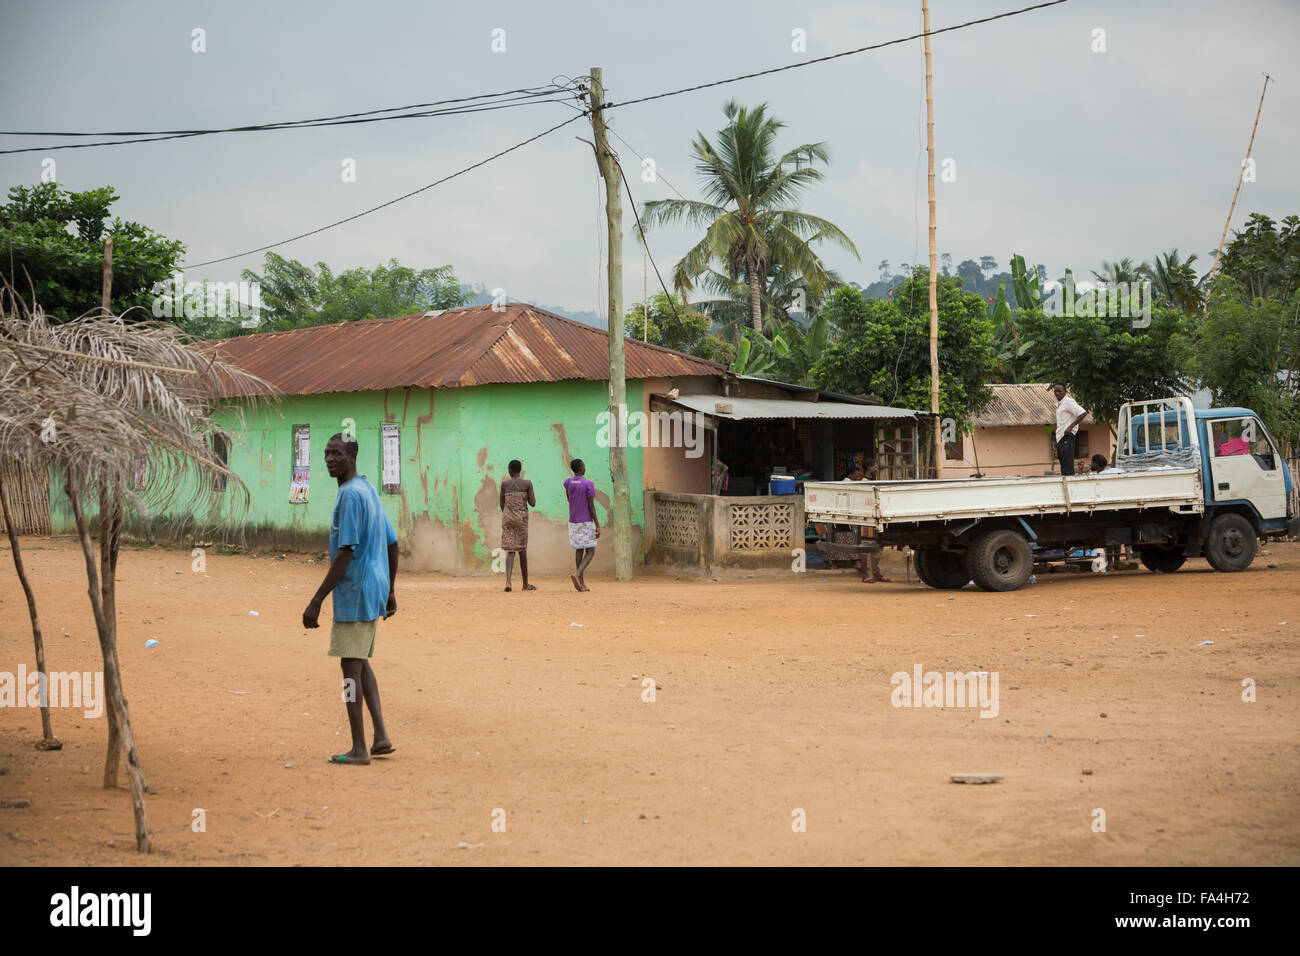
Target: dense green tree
1265	257
52	250
1106	360
1246	351
294	295
673	324
882	347
748	214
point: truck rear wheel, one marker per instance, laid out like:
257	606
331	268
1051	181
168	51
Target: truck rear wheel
941	569
1162	560
1230	545
1000	560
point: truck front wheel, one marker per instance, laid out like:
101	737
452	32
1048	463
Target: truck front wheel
1162	560
1000	560
1230	545
941	569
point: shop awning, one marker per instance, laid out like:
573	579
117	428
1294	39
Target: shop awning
742	409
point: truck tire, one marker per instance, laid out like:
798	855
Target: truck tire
1000	560
941	569
1230	545
1162	560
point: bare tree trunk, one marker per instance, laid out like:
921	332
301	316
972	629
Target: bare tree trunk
48	742
112	669
107	595
755	297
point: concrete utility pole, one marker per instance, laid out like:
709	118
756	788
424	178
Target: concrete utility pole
617	383
934	258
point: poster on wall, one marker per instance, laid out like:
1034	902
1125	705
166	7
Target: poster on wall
392	460
300	484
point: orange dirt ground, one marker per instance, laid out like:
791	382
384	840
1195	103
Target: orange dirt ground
773	695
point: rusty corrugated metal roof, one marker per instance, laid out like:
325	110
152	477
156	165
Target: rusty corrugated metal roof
456	348
1023	404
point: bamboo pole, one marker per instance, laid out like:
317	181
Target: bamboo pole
1209	280
934	257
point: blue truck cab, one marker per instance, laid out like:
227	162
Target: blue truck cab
1245	478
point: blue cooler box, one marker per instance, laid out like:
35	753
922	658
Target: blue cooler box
781	485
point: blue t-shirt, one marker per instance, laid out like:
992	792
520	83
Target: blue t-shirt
359	521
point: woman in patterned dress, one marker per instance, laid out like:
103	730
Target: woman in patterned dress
516	498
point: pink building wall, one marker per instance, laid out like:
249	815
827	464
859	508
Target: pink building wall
1021	450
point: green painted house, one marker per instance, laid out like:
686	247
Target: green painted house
439	403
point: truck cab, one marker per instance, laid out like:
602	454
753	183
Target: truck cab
1243	468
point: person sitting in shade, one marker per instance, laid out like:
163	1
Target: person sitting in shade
1099	466
871	558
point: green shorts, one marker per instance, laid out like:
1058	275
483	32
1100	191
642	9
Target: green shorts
353	638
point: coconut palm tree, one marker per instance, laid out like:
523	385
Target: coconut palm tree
784	293
747	214
1176	282
1122	270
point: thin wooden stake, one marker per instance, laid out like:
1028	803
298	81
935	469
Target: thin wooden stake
49	741
106	298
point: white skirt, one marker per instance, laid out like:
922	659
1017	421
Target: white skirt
582	534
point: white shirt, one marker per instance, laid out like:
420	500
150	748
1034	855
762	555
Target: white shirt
1067	410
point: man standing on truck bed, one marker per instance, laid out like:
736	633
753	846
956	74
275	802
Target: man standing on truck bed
1069	414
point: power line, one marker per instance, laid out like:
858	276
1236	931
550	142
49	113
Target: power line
642	158
414	192
833	56
537	91
548	97
641	231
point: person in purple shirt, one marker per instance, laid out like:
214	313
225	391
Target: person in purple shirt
584	529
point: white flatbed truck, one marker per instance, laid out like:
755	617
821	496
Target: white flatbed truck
1189	483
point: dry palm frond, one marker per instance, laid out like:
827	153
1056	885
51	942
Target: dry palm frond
94	395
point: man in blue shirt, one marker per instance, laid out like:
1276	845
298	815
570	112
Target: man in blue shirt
363	569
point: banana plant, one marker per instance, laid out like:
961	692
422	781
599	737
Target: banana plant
755	356
1024	284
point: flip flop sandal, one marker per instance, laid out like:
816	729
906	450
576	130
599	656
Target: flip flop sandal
384	751
530	587
344	758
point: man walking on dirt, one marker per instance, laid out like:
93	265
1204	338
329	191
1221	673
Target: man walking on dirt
1069	414
362	573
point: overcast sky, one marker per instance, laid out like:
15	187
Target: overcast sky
1063	154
